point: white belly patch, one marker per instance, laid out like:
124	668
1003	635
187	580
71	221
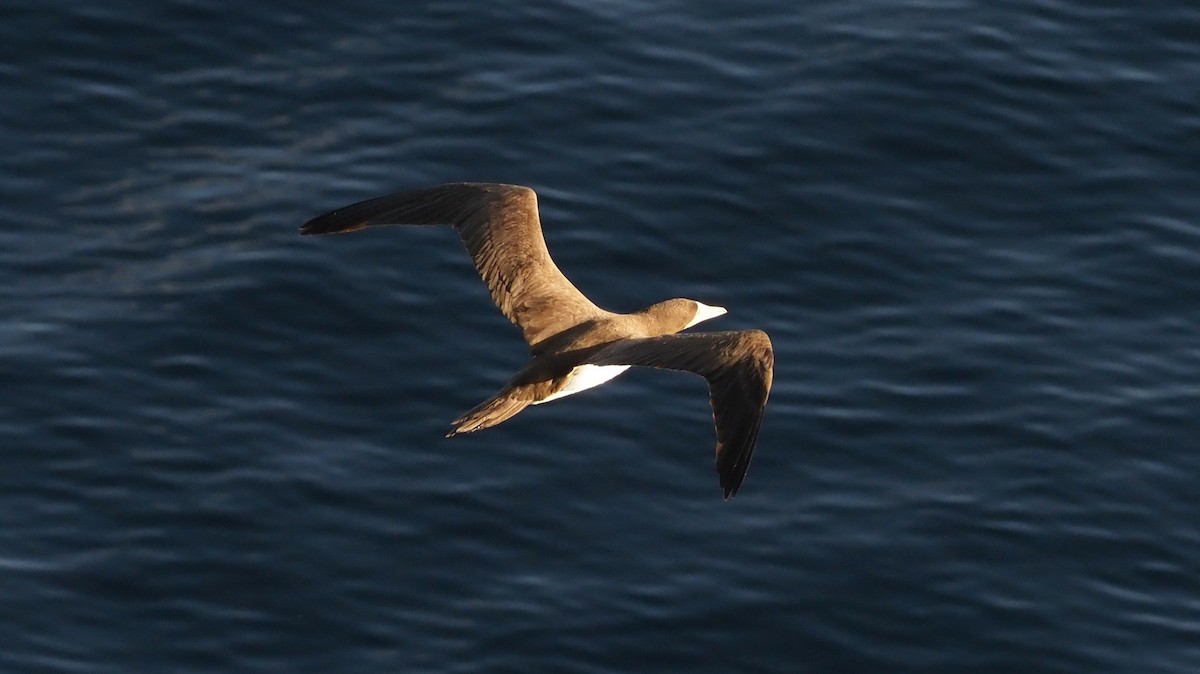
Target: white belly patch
585	377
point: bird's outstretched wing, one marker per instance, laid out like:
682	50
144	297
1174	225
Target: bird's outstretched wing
499	225
738	366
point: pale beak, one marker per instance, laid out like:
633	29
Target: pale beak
705	312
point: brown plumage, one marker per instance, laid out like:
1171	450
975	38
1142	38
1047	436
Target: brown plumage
575	344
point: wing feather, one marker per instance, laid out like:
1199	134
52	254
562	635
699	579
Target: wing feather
738	366
500	227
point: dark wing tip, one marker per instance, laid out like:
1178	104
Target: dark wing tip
439	205
333	222
731	477
732	473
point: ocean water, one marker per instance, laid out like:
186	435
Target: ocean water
971	229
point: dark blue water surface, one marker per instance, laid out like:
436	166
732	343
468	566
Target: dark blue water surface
972	230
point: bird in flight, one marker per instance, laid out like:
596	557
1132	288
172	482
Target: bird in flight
574	344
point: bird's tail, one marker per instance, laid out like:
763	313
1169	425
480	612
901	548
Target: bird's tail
500	407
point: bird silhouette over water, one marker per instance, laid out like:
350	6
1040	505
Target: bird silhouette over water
574	344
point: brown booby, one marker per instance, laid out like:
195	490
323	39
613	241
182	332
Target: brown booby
575	344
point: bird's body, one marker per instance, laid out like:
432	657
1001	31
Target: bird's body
574	344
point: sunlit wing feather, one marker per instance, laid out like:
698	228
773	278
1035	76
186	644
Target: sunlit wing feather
500	227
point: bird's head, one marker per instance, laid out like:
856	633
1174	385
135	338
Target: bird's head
703	312
678	314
